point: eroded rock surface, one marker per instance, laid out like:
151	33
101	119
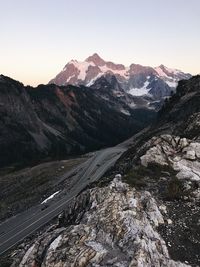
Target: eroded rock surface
181	157
119	229
181	154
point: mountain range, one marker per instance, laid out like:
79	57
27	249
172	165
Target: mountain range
89	105
53	121
138	80
135	204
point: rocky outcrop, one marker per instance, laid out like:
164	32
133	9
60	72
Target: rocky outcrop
119	229
164	159
180	155
178	160
168	166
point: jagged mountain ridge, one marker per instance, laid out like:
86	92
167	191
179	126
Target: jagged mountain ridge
53	122
136	79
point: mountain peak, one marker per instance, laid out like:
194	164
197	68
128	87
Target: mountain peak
162	66
72	61
134	76
96	59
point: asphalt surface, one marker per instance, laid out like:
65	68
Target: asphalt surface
15	229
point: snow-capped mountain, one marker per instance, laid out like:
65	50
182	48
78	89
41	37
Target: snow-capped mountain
138	80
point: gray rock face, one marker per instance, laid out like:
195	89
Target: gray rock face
181	154
119	229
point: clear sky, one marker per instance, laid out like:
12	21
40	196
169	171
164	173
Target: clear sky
38	37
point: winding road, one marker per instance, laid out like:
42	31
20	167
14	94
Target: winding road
15	229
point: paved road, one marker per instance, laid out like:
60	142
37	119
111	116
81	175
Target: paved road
18	227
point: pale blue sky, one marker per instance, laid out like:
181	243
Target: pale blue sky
38	37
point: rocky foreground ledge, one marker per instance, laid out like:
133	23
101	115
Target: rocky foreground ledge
119	229
125	225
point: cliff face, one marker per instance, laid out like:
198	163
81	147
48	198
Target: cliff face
53	122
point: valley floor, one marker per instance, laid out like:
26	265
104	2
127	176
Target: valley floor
25	188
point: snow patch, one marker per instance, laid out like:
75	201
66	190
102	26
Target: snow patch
68	79
172	83
50	197
126	112
132	105
82	67
140	91
91	82
160	72
174	71
123	73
